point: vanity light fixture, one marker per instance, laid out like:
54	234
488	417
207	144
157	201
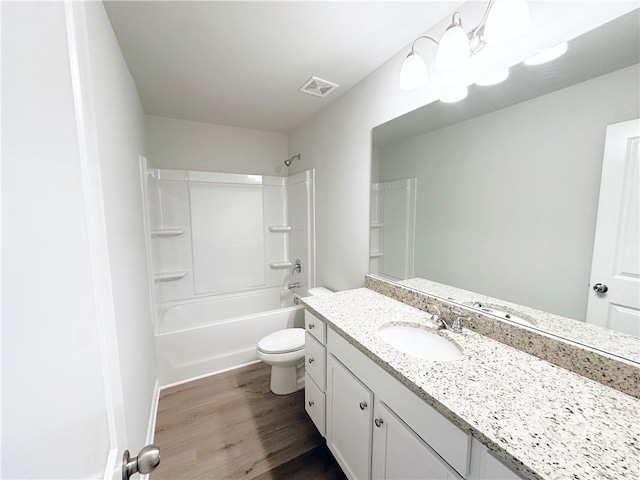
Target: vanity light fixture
547	55
455	95
502	21
494	78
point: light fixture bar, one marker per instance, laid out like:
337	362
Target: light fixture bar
502	20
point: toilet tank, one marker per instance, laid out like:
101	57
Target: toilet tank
318	291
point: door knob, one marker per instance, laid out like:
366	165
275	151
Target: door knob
600	288
146	461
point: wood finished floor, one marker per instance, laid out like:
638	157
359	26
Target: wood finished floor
230	426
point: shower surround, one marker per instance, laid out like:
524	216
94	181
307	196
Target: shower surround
222	249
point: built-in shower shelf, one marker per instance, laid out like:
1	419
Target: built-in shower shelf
167	232
375	254
279	228
170	276
279	265
377	225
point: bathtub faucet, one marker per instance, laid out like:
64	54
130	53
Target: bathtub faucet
291	286
297	267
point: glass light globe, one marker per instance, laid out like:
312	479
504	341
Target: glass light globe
508	19
414	72
547	55
453	51
455	95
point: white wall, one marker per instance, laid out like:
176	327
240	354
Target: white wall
120	130
53	393
186	145
507	201
337	140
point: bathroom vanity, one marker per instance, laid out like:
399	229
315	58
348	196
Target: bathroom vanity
494	413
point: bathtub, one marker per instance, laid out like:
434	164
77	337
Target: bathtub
200	338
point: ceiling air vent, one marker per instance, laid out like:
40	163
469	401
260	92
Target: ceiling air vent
318	87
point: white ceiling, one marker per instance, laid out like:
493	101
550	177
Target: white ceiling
240	63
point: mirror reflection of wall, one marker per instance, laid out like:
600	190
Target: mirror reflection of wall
507	200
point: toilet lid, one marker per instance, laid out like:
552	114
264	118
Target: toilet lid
283	341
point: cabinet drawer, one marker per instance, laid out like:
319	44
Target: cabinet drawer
314	403
315	327
314	360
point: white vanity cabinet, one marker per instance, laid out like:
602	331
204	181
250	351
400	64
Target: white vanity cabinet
375	427
412	440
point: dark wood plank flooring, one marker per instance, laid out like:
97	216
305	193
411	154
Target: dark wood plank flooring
230	426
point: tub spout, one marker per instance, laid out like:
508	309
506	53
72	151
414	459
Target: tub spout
292	286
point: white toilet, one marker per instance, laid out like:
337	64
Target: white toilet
284	351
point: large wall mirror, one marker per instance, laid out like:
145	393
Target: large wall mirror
494	200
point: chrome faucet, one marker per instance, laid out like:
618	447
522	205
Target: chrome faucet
297	267
291	286
439	322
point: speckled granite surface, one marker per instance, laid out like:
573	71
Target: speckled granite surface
609	370
541	420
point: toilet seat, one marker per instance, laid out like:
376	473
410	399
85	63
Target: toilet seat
288	340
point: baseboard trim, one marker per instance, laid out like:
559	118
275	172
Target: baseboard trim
211	374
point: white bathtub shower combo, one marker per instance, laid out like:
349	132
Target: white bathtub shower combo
223	247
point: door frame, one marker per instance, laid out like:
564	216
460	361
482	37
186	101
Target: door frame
86	126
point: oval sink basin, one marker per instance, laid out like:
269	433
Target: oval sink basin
419	343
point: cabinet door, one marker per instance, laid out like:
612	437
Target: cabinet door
484	465
349	420
399	454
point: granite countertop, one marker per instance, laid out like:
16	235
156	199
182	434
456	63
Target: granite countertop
540	419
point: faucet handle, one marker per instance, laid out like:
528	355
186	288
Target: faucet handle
435	317
457	324
437	314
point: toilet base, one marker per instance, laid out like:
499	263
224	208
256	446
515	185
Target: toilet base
286	380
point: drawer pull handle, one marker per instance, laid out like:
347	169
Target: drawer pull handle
363	405
311	360
311	326
311	403
378	422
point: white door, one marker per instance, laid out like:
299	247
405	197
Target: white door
62	408
349	420
614	300
399	454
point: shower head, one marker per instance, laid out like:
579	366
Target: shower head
288	161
